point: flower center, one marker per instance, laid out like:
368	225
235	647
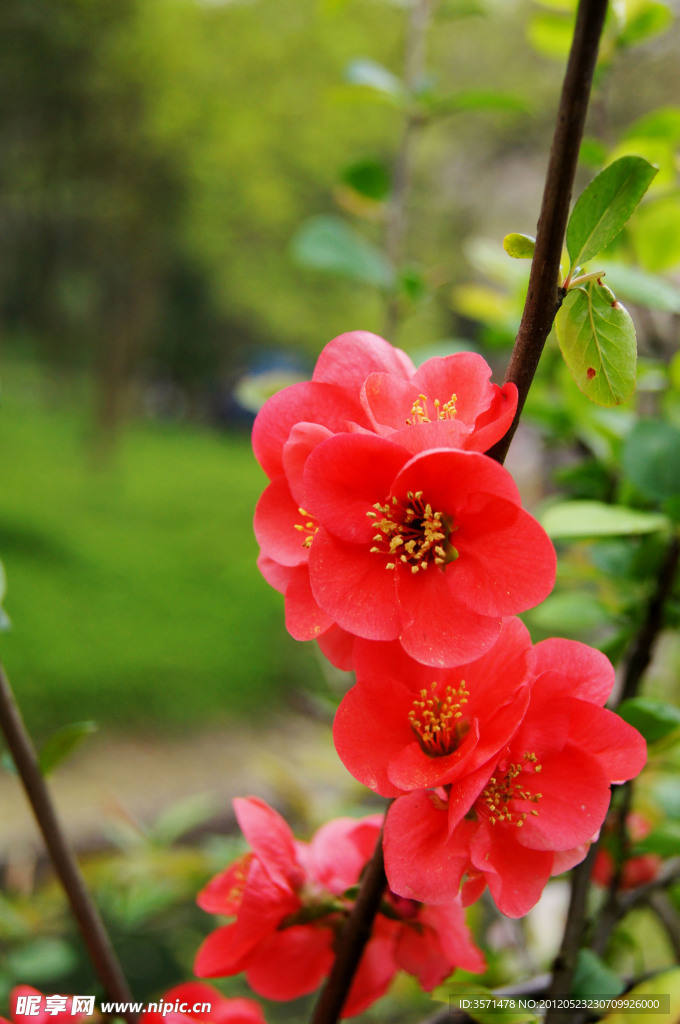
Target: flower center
412	533
436	718
504	788
308	528
421	410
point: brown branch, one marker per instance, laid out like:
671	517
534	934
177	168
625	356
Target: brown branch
642	649
565	962
87	917
352	940
544	298
542	304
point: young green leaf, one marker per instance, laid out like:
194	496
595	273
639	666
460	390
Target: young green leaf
595	519
62	743
664	840
597	339
605	206
593	979
329	243
520	247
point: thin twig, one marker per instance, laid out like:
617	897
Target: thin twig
397	220
92	929
659	903
668	874
352	940
565	962
543	297
643	647
542	304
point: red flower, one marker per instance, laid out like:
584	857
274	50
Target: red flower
380	519
188	1001
290	899
400	729
447	403
510	823
360	384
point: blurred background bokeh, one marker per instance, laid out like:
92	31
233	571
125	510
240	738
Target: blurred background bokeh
195	196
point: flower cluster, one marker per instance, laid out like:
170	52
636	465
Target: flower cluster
289	901
405	550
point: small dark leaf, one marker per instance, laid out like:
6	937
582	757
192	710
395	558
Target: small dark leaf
651	459
655	719
62	743
370	178
593	978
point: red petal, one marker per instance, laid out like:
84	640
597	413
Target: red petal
223	893
304	619
371	728
276	516
437	628
271	840
292	962
583	672
309	402
619	748
303	439
574	802
348	359
507	561
353	587
516	876
337	645
345	477
340	849
420	862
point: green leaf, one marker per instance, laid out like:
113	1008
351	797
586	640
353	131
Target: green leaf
642	288
62	743
475	100
551	34
605	206
655	719
662	123
664	840
665	985
373	75
570	614
594	519
520	247
597	338
329	243
644	19
370	178
593	978
656	234
650	459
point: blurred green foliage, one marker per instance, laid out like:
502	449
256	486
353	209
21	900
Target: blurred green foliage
133	592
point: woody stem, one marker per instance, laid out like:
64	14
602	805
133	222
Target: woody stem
91	927
352	940
543	297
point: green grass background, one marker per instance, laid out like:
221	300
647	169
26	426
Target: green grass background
132	586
